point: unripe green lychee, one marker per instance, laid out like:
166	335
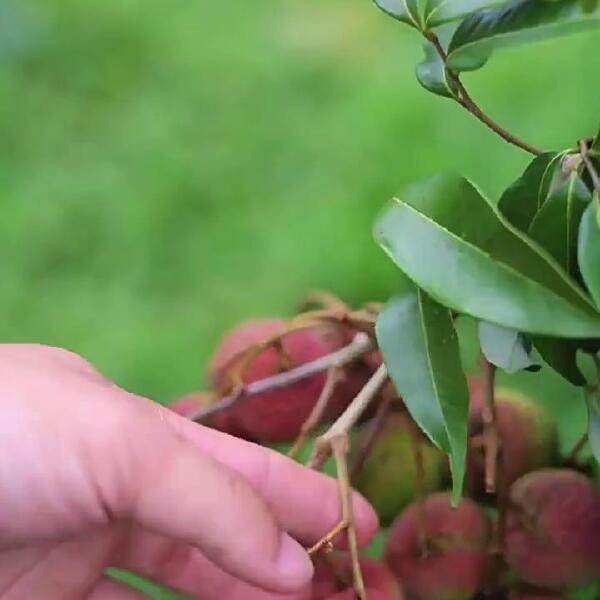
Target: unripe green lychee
453	563
528	438
277	415
388	477
552	536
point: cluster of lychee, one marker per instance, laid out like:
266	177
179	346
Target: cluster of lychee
535	538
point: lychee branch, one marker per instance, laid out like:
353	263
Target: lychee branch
465	100
339	446
589	165
490	432
349	418
360	345
317	412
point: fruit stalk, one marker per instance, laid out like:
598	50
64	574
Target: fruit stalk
360	345
339	446
317	412
348	418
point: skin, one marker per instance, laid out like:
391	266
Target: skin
93	476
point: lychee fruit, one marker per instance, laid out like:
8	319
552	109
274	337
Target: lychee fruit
388	477
333	579
439	552
224	421
552	534
528	438
277	415
535	595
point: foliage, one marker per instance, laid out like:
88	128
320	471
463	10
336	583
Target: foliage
528	270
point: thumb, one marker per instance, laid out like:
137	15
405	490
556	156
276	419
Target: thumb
176	490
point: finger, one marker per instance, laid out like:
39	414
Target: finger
65	570
172	488
305	502
186	570
106	589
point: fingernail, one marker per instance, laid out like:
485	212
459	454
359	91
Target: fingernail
293	562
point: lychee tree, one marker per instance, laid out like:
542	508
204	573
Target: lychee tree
526	268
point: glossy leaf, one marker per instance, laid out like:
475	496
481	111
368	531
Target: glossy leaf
556	224
425	14
454	244
592	398
521	201
514	23
561	355
431	72
589	248
443	11
506	348
406	11
420	349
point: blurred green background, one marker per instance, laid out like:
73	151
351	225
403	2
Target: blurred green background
169	168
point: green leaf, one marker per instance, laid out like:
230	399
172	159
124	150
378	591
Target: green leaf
515	23
592	397
521	201
407	11
556	224
420	349
425	14
561	355
506	348
589	248
437	12
431	72
454	244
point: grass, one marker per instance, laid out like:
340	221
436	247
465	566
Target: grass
171	168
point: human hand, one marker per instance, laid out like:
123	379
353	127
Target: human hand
92	476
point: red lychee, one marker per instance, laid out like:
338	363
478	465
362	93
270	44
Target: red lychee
454	561
224	421
277	416
552	536
528	438
333	577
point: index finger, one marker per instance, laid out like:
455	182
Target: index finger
305	502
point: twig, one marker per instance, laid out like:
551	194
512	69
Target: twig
470	105
348	418
589	165
577	448
359	346
375	427
317	412
324	300
327	540
339	446
490	431
420	492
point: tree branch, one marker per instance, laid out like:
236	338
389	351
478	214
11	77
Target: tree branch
317	412
348	418
490	431
339	445
470	105
359	346
589	165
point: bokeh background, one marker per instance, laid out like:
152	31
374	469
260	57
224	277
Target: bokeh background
170	168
